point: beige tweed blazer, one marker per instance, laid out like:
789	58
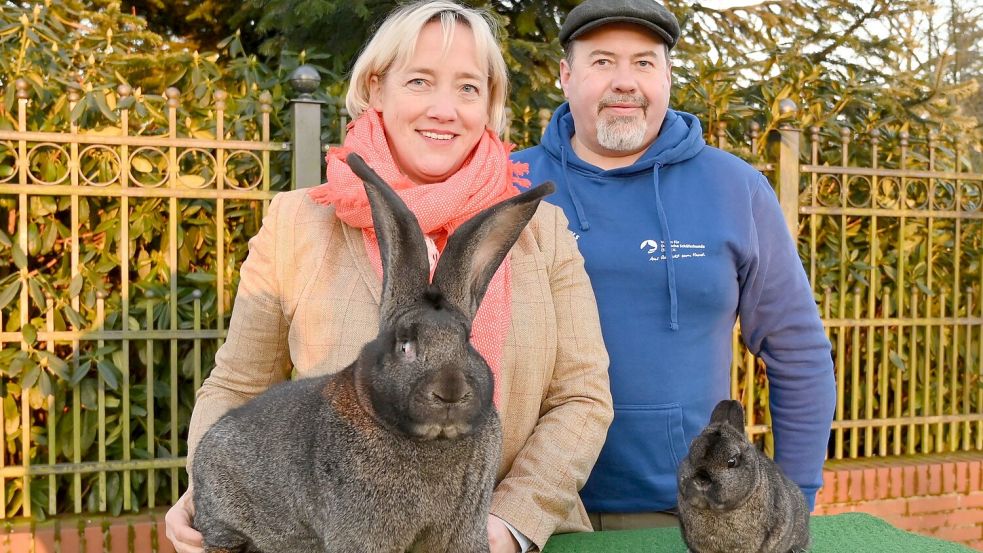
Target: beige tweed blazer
308	299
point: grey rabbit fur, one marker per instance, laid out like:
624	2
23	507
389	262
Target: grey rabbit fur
398	451
733	498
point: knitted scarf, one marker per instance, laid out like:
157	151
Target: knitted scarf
487	177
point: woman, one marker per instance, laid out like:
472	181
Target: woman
428	97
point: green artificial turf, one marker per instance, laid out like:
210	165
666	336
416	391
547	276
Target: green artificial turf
830	534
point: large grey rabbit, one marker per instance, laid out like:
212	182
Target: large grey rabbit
397	452
733	498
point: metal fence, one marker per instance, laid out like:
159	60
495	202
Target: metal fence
96	408
100	375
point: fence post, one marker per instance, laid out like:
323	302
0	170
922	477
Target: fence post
305	137
787	169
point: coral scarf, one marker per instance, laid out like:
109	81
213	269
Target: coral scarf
486	178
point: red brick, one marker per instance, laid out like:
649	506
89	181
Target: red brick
966	517
163	544
883	477
909	523
93	539
896	478
910	478
894	520
959	533
884	507
856	490
20	541
935	479
141	536
949	482
827	492
842	488
44	539
976	544
943	503
921	480
119	537
870	484
929	522
69	538
838	508
962	477
972	500
975	468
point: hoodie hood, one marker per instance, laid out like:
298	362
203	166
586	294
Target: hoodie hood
680	138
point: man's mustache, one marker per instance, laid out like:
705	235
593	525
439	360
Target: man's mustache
640	101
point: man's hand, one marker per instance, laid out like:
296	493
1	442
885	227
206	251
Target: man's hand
500	538
177	522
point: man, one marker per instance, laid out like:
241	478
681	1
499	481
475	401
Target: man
680	239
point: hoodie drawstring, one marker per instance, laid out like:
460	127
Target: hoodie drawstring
577	206
670	263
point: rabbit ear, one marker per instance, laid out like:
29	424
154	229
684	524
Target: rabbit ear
729	411
476	249
401	243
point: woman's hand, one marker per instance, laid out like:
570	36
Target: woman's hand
500	538
177	521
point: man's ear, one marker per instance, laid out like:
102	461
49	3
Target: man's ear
564	76
375	93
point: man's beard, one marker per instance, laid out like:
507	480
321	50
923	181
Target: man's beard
623	132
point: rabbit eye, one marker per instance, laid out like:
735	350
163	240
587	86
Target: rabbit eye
407	348
733	461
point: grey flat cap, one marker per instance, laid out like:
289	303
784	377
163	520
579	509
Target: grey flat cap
592	14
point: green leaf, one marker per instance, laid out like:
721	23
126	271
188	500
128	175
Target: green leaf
897	361
11	415
30	376
30	333
56	364
110	374
20	258
141	164
37	294
80	372
47	389
74	317
75	286
9	293
201	278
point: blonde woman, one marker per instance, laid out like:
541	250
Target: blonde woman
428	97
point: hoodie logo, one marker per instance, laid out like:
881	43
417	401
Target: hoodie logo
656	250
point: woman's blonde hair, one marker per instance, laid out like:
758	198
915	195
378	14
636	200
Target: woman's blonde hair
395	41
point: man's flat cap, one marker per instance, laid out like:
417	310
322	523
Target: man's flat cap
592	14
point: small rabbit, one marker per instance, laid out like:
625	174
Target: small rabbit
397	452
733	498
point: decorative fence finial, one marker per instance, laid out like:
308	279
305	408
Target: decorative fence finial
220	96
173	97
22	87
265	102
305	80
787	110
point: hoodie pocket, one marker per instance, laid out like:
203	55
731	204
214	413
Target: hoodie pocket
636	470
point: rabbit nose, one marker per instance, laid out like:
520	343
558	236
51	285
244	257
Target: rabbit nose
450	389
702	482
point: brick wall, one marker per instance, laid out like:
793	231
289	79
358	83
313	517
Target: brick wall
939	496
126	534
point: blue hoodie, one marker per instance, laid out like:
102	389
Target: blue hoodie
678	246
